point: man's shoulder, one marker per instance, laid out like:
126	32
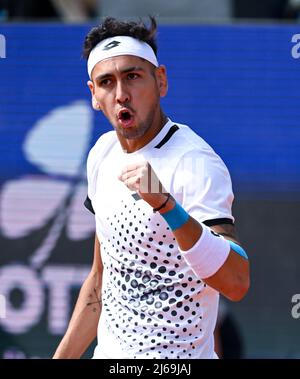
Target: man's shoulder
104	142
190	148
102	146
187	141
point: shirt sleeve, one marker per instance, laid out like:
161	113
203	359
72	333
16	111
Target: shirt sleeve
88	204
95	157
90	181
203	185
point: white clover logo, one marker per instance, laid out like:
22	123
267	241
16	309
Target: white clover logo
57	144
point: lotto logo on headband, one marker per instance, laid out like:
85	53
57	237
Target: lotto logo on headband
111	45
123	45
2	46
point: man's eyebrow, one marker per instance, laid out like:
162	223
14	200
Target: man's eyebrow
133	68
124	71
103	76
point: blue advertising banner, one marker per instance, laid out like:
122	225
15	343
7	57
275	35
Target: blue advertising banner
236	86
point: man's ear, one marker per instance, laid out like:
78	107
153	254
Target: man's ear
95	103
161	74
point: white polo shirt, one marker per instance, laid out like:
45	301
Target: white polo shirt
153	305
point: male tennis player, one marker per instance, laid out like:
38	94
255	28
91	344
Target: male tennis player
165	243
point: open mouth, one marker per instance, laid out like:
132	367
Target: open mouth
125	117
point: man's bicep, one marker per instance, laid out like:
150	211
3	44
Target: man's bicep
228	231
232	278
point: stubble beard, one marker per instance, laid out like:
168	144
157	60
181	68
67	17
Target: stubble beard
140	130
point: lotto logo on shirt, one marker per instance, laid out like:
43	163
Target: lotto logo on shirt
191	166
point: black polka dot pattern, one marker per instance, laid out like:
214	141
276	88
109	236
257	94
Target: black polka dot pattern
152	300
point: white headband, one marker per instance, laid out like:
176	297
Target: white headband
120	45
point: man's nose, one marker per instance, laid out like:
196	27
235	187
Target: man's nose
122	93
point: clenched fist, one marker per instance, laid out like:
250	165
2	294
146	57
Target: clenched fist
140	177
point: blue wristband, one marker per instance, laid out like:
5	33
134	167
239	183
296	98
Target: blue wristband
176	217
238	249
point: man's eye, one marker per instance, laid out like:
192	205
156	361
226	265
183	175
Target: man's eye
132	76
105	82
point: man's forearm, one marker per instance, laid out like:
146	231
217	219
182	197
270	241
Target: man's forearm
82	328
225	271
231	276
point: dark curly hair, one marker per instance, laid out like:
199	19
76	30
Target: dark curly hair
112	27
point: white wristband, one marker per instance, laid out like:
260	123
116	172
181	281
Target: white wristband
208	254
